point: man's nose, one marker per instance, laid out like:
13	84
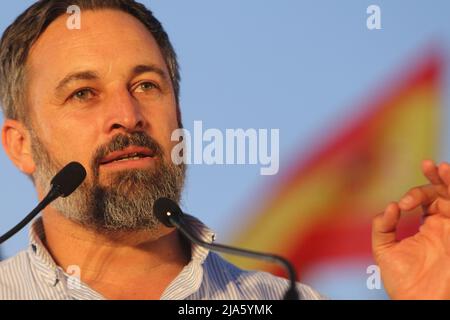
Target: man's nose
123	112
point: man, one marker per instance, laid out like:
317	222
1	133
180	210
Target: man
107	96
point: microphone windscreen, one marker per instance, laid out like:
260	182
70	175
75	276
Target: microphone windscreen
69	178
164	205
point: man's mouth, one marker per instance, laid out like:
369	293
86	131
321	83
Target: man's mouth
128	154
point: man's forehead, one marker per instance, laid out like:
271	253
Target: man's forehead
106	38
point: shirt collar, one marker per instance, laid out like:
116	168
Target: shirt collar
198	253
39	255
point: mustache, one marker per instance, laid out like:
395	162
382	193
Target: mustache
122	141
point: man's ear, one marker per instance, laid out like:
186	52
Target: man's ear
17	144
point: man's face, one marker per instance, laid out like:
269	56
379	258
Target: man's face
97	95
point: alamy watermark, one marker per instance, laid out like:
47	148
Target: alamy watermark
373	21
74	277
73	22
233	146
374	279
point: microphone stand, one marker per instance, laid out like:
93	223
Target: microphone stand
52	195
291	293
63	184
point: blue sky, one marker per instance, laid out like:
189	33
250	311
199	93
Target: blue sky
295	65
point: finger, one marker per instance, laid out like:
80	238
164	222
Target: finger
431	172
444	174
441	206
384	228
423	195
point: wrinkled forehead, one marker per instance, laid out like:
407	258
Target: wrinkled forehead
109	41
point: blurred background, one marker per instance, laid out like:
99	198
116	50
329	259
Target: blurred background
357	110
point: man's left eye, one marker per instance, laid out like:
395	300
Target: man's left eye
145	86
83	94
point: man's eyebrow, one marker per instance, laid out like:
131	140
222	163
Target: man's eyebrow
143	68
82	75
92	75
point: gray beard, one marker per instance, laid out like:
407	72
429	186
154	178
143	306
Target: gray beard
125	203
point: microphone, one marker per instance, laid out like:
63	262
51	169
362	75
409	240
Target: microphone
170	215
63	184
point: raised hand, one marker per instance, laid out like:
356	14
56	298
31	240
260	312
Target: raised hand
417	267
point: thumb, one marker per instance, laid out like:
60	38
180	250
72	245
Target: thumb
384	228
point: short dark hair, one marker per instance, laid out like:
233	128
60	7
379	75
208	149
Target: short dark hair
20	36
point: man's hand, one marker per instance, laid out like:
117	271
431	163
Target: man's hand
417	267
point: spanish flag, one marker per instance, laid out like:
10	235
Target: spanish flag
320	210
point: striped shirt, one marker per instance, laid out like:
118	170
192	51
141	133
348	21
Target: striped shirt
33	274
